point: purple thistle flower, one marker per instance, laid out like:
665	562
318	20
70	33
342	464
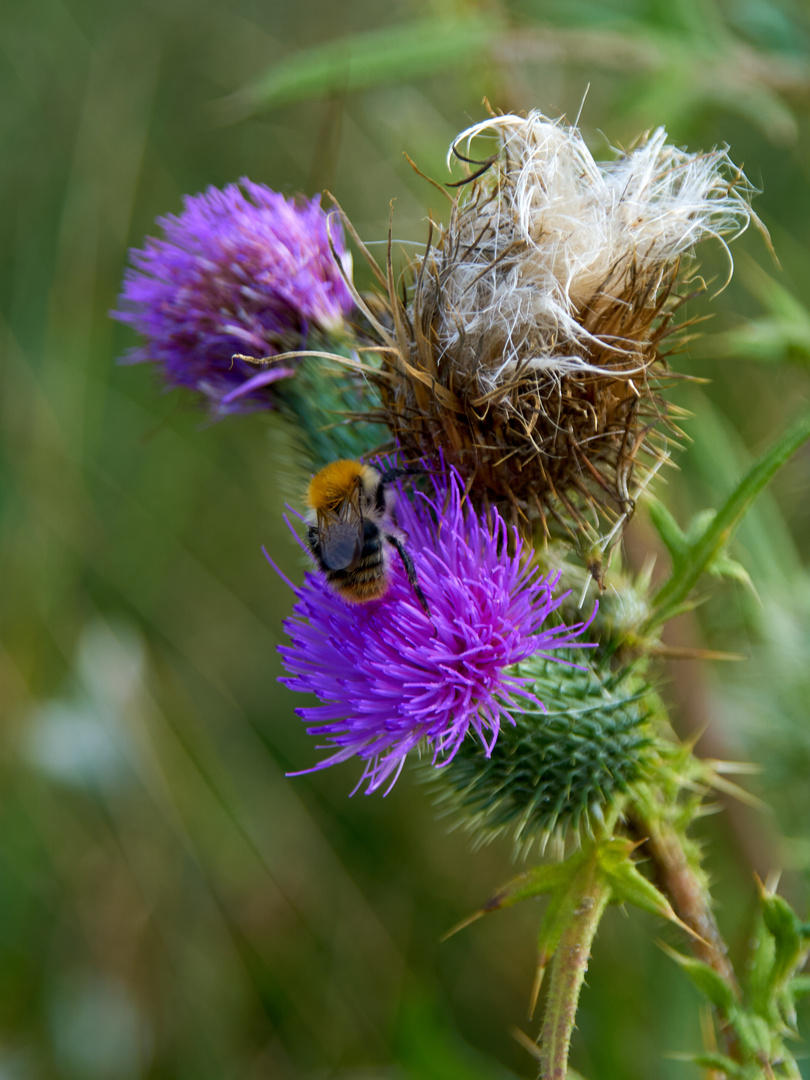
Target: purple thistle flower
389	677
242	270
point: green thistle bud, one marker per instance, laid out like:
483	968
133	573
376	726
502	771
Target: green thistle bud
332	410
559	768
624	611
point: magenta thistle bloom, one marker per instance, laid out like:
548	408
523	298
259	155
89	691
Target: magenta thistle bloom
389	678
242	270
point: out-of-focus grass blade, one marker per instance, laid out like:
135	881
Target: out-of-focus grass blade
781	335
689	569
358	61
718	455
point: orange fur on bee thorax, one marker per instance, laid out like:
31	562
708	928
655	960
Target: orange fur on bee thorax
328	488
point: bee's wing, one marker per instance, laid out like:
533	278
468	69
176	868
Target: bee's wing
341	539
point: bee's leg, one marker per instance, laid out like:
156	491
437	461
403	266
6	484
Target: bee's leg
394	474
410	569
388	477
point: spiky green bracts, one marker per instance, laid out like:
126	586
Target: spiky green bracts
555	771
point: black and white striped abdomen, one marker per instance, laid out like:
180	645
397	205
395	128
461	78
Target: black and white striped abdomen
364	580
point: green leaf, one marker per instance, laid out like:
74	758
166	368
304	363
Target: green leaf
755	1036
538	881
725	566
358	61
630	886
701	554
680	543
697	527
555	919
535	882
784	926
706	979
668	529
718	1062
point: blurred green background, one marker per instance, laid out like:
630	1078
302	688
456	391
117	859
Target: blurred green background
170	904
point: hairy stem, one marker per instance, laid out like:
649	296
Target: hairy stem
690	899
568	969
692	903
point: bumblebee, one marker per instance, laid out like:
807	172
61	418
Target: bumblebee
352	527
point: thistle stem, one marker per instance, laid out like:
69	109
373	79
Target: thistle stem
690	899
568	969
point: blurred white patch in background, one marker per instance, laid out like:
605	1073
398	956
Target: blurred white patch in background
97	1029
85	738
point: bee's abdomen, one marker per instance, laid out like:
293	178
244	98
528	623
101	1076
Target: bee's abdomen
367	580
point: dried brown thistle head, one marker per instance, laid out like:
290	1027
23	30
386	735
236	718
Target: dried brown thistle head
527	342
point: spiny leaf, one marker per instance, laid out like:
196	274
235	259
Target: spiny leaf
718	1062
551	930
755	1035
712	985
668	529
785	928
628	885
538	881
680	544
